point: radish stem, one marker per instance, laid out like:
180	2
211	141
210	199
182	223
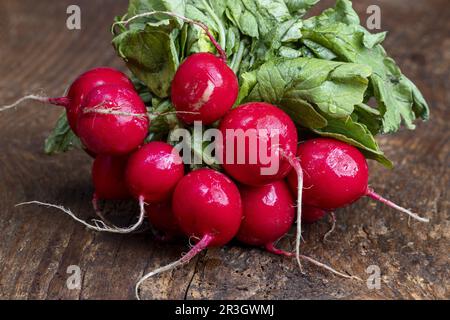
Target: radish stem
372	194
205	28
222	34
237	59
272	249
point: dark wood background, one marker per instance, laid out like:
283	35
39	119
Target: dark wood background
37	245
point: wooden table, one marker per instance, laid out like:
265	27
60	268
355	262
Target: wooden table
38	52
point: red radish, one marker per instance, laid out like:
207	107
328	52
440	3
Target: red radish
207	206
207	203
153	172
113	120
270	134
161	218
204	89
263	122
108	176
150	174
86	83
336	175
79	89
268	213
312	214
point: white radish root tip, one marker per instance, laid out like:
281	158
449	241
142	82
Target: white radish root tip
62	101
199	247
97	210
272	249
330	269
26	98
333	227
372	194
98	225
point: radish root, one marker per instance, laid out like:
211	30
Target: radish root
98	225
63	101
372	194
295	163
199	247
333	227
97	210
330	269
272	249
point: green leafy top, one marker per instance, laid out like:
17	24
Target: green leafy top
318	94
62	139
323	70
338	31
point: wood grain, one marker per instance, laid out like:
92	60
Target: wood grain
37	244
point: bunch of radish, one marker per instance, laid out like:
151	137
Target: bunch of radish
207	206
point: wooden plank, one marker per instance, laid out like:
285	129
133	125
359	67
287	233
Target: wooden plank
37	244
